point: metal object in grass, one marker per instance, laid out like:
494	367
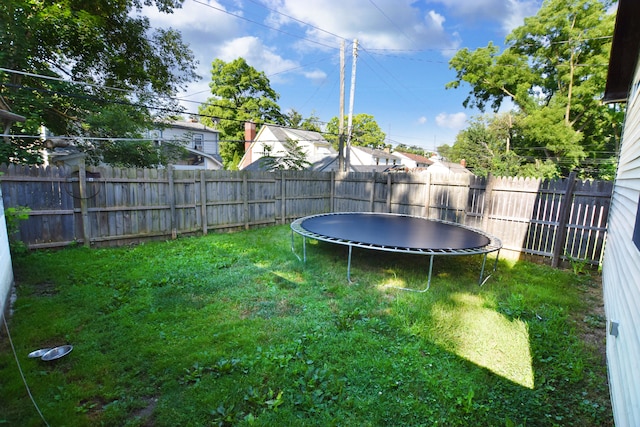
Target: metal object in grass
57	352
396	233
38	353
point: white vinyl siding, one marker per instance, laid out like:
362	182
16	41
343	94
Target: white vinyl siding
6	270
621	274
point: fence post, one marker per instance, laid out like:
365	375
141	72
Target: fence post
283	207
372	196
563	219
332	192
388	192
427	195
245	199
172	203
84	209
487	205
203	201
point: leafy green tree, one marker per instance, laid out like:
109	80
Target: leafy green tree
292	158
365	132
240	94
294	119
102	43
412	149
485	145
553	70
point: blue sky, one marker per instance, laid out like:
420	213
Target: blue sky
402	64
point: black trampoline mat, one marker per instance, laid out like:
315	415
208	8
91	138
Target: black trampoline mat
395	231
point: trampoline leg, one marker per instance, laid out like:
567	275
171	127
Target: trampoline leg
430	270
349	265
495	266
484	261
293	248
304	249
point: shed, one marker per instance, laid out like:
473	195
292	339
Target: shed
621	263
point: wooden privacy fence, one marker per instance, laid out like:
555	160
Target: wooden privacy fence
558	219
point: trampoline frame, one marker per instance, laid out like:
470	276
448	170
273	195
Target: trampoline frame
494	245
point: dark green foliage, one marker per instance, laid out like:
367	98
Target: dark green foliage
108	45
240	93
553	69
365	132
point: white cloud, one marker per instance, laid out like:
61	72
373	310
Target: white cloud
509	13
316	76
387	24
422	120
258	55
455	121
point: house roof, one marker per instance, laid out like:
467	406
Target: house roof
283	133
450	166
624	51
415	157
192	126
374	152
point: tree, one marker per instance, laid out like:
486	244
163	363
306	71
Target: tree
485	147
122	63
240	94
553	69
412	149
292	158
365	132
295	120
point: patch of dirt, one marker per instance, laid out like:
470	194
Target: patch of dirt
146	414
593	325
44	289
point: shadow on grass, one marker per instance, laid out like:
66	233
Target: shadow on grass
515	335
224	328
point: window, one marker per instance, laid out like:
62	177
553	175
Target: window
198	140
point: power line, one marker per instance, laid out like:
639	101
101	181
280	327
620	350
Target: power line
298	20
59	79
264	25
392	22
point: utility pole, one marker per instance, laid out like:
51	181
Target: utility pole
341	116
351	97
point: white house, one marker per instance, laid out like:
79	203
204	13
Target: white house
201	141
271	140
621	263
412	160
442	166
365	156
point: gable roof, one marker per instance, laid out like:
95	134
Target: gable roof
415	157
451	167
283	133
624	51
188	125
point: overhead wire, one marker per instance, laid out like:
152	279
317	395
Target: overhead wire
264	25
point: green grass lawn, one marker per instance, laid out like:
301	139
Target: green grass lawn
232	329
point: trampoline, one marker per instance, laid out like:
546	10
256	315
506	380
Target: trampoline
396	233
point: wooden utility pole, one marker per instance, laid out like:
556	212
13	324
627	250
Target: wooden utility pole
351	98
341	116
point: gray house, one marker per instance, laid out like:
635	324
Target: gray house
621	264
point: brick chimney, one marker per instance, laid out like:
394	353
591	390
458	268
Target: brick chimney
249	134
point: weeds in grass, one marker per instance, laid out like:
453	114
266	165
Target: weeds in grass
233	330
